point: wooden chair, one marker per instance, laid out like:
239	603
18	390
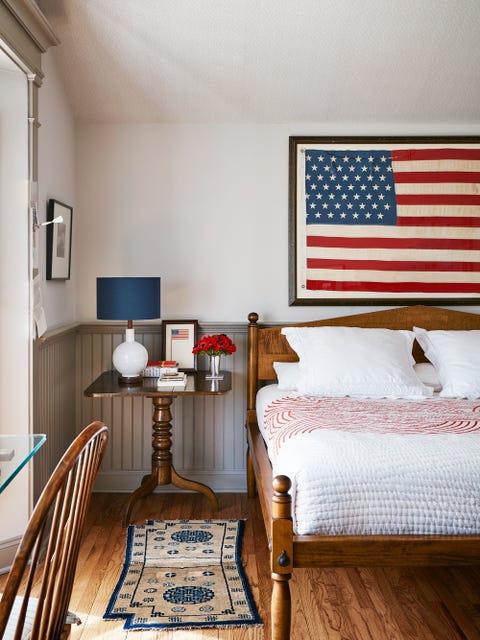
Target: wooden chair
44	566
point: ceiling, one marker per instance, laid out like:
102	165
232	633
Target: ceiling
269	61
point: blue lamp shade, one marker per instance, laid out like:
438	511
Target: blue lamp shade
128	298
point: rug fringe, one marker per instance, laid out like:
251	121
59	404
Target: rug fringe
236	625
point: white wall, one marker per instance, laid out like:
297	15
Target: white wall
14	286
203	206
56	177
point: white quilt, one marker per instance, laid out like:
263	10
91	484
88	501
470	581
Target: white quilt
376	466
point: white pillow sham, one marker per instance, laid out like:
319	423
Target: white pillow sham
352	361
428	375
287	375
456	357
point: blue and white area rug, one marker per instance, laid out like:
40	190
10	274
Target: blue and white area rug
183	574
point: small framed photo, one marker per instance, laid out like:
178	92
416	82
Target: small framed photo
178	339
59	240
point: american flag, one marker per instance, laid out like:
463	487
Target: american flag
180	334
399	221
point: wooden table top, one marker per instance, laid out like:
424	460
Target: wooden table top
107	385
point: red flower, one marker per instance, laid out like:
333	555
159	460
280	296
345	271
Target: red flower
216	345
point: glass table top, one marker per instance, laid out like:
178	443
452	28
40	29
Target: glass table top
15	451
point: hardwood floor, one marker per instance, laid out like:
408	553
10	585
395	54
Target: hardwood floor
330	604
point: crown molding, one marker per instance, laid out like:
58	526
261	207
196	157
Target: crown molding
26	34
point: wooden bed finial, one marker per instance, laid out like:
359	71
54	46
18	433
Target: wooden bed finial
281	484
253	317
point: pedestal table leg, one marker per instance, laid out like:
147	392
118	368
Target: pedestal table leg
163	471
161	454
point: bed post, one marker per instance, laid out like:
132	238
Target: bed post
252	381
252	365
281	558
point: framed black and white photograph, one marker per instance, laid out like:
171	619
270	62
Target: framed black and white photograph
59	240
390	220
178	339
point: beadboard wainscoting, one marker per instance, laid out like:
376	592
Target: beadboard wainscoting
208	432
54	400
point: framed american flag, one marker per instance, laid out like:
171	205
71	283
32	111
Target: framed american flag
390	220
178	339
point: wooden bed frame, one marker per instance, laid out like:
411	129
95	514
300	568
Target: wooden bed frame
287	550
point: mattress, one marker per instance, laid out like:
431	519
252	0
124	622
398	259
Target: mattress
375	466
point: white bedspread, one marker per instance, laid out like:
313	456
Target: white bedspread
376	466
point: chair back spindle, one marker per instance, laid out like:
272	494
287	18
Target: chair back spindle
44	566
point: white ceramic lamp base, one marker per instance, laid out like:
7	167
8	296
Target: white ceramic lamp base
130	359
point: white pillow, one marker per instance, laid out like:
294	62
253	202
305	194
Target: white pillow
287	375
428	375
351	361
456	357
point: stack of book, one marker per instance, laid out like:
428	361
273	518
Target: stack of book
156	368
178	379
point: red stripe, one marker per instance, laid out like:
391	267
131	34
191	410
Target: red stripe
392	265
435	154
425	221
436	176
394	287
437	198
394	243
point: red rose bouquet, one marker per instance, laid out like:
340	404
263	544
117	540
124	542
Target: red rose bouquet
214	345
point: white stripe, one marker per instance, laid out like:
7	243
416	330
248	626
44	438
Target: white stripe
435	165
390	276
388	231
429	255
435	211
314	294
440	187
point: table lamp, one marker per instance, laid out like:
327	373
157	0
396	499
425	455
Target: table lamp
129	299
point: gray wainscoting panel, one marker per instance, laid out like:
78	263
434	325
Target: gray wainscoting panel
208	432
54	401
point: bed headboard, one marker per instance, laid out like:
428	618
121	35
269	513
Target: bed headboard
267	345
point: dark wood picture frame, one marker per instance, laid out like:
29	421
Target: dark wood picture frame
59	240
327	267
178	339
